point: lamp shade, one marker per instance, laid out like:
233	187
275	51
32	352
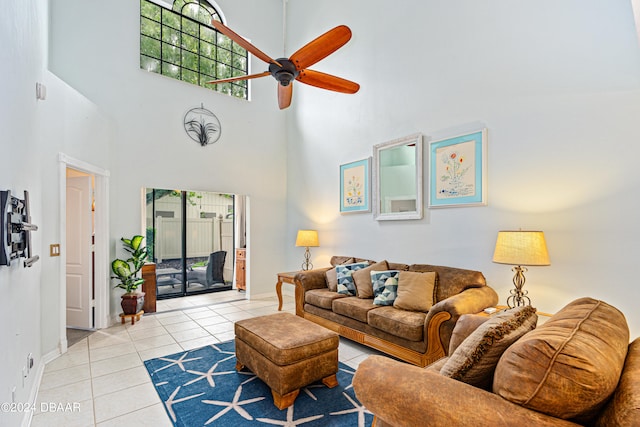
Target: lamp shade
307	238
521	248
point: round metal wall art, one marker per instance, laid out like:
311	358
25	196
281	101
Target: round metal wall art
202	126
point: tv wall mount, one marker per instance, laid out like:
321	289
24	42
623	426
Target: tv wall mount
15	229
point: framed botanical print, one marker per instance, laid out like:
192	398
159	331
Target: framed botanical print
458	171
355	186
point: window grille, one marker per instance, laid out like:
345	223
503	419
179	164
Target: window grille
181	43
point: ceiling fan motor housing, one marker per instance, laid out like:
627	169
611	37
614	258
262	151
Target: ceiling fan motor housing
285	74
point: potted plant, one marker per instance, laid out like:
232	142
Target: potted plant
126	271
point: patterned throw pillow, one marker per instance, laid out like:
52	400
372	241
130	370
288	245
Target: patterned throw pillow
362	279
385	286
345	281
331	276
475	359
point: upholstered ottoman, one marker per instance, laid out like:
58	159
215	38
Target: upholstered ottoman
287	352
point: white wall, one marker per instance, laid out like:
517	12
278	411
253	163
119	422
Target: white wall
100	58
21	52
557	84
33	133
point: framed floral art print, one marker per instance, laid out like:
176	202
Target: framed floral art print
354	186
458	171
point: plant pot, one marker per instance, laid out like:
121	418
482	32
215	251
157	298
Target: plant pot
132	302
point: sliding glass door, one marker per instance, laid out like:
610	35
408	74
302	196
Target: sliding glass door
191	237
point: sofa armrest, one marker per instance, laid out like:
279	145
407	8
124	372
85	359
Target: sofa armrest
311	279
405	395
469	301
306	281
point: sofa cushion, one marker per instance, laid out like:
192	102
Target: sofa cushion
345	279
415	291
332	276
451	280
624	409
385	286
362	279
437	365
466	324
398	266
402	323
353	307
321	297
337	260
569	366
475	359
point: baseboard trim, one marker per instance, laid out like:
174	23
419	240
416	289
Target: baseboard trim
260	296
53	354
33	395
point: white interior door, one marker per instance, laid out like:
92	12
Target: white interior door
79	247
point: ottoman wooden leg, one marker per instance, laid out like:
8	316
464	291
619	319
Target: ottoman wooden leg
239	366
283	401
331	381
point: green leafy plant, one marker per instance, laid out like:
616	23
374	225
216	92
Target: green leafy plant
127	270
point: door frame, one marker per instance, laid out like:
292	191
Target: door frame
101	246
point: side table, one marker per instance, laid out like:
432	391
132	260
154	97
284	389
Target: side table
286	277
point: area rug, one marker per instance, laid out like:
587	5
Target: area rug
202	387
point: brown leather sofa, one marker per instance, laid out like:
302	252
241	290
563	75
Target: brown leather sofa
417	337
578	368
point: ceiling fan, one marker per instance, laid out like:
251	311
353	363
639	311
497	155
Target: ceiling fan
286	70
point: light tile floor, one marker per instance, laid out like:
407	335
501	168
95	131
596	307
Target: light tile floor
101	381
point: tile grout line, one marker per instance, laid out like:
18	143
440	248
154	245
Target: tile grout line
93	397
244	310
195	306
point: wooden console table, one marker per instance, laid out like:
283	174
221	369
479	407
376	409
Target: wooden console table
284	278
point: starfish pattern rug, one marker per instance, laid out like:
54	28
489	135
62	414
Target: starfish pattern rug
201	387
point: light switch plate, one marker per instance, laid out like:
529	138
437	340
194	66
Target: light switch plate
54	249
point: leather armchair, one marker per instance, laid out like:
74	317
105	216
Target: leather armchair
580	358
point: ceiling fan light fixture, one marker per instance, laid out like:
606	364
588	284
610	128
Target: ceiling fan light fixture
284	78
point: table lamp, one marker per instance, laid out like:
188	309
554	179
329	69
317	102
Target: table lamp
520	248
307	238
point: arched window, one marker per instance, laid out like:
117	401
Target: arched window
181	43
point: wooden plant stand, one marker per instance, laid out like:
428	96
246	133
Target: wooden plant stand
134	317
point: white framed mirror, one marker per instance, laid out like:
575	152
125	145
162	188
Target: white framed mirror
397	179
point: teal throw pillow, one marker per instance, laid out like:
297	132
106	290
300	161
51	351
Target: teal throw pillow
346	285
385	286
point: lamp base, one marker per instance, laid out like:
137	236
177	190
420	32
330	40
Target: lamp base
307	265
518	296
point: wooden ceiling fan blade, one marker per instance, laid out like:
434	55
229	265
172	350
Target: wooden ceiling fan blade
321	47
327	81
242	42
235	79
284	95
